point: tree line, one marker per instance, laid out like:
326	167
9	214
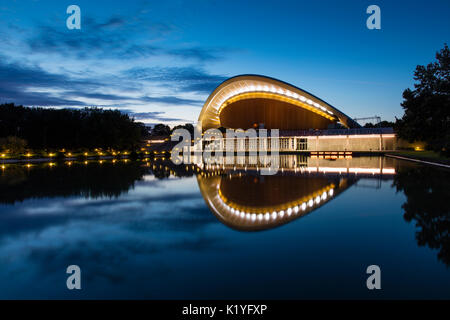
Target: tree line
89	128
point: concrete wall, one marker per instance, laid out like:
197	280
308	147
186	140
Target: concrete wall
354	143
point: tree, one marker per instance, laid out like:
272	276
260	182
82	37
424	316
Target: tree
46	128
382	124
160	130
188	126
12	144
427	107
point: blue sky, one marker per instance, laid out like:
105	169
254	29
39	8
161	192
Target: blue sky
159	60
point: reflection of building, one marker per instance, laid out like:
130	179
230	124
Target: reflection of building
252	202
245	200
306	123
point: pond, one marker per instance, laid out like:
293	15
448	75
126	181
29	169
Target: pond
148	229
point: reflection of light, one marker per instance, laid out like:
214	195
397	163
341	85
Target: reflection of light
326	169
352	170
274	215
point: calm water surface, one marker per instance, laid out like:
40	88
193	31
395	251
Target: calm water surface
148	229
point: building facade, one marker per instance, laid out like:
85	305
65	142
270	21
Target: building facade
305	122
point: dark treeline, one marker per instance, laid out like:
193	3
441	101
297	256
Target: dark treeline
382	124
88	128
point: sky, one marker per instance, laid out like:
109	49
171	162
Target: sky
159	60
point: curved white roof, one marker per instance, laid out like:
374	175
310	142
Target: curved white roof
251	86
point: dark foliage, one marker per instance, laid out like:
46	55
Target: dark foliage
382	124
160	130
427	107
44	128
188	126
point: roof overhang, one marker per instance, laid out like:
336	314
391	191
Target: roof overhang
256	86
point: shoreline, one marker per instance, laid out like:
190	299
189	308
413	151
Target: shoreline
419	160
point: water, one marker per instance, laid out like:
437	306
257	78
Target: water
149	229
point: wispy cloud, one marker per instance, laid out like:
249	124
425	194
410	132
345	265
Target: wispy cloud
116	37
124	62
157	116
187	79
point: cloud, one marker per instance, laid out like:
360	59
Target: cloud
31	85
154	115
88	44
197	53
113	22
16	80
115	38
172	100
29	77
186	79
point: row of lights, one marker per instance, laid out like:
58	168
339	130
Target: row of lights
267	216
271	89
69	154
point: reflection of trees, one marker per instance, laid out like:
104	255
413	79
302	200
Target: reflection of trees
94	180
428	193
18	183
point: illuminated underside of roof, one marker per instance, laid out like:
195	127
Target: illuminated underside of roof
254	87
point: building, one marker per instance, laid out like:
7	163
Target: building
306	122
